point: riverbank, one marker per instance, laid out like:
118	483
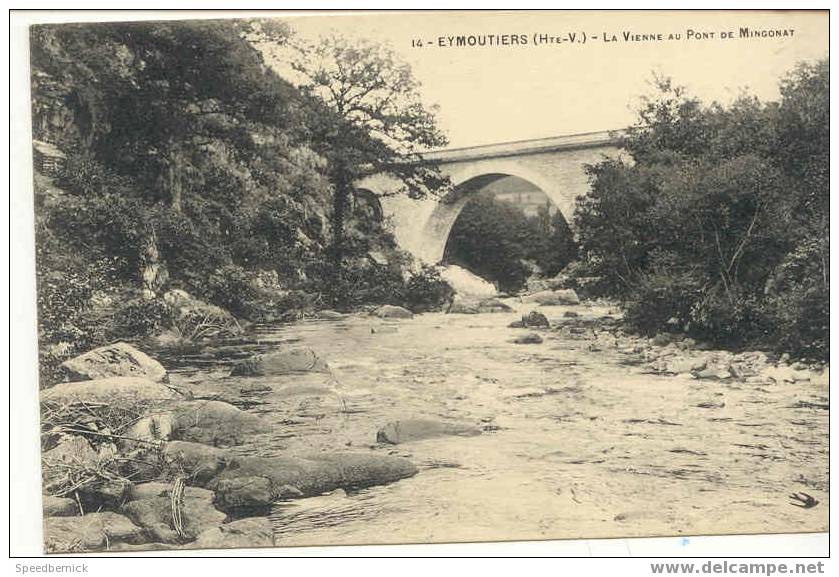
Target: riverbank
588	433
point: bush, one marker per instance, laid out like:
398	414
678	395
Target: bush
425	290
660	296
138	317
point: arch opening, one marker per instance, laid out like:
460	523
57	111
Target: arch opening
502	227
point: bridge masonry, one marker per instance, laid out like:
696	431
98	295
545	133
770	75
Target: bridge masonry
555	165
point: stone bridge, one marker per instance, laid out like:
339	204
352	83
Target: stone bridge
554	165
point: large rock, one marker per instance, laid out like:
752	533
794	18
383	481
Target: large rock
197	462
242	534
111	390
417	429
472	305
60	506
466	283
287	362
553	297
255	482
198	319
156	511
214	423
116	360
535	319
393	312
91	532
61	465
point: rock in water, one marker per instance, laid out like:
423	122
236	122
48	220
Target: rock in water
114	390
214	423
535	319
251	483
472	305
418	429
154	513
91	532
197	462
393	312
116	360
553	297
528	339
241	534
296	360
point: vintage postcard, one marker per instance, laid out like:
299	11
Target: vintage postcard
427	277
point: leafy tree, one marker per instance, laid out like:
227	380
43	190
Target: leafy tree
715	210
377	124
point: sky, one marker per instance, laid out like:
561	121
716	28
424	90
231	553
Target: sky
490	94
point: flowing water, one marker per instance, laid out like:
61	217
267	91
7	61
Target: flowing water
578	440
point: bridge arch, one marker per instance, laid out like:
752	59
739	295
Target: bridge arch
555	165
468	182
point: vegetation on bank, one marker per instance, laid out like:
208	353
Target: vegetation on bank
170	156
717	220
499	242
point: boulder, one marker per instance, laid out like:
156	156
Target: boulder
104	494
472	305
196	462
408	430
240	534
553	297
115	360
681	365
528	339
466	283
59	506
61	464
151	428
535	319
393	312
214	423
242	484
112	390
156	511
91	532
198	319
287	362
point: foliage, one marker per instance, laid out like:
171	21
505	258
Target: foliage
719	219
377	123
425	290
493	238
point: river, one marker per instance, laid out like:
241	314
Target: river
579	439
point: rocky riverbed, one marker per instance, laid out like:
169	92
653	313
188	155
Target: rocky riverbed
528	418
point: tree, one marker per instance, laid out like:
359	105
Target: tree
720	219
378	123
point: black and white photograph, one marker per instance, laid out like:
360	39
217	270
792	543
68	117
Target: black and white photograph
419	277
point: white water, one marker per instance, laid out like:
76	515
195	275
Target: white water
578	441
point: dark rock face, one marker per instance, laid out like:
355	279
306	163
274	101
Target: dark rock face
250	483
116	360
94	531
528	339
291	361
417	429
393	312
214	423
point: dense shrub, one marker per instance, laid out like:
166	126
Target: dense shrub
718	223
425	290
495	239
